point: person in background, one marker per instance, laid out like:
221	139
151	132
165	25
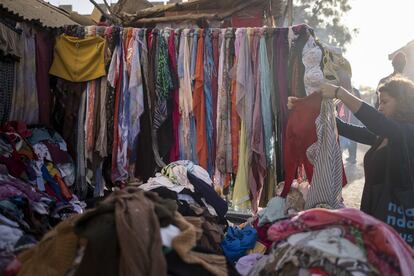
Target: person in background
398	63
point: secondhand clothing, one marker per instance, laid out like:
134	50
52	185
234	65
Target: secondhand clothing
79	60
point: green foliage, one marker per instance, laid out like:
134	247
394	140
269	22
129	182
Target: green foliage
325	17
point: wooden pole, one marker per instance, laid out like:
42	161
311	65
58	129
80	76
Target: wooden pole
290	12
197	16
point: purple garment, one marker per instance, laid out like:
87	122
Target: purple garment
10	186
281	87
282	56
246	263
175	150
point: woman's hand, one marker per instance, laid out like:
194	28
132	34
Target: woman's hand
329	90
332	91
291	102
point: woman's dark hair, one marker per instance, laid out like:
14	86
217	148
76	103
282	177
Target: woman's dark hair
401	89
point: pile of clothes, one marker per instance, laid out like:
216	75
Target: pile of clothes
36	173
38	156
329	242
174	225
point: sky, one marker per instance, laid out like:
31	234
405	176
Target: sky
384	26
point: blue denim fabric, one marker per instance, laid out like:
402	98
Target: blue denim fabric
208	74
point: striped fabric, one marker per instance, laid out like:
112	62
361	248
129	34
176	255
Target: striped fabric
325	155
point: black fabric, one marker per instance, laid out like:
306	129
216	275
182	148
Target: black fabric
210	195
185	210
6	88
164	133
145	165
196	195
101	256
164	208
355	133
296	67
177	267
375	166
165	193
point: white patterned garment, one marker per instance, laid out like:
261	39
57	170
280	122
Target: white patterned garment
326	157
312	58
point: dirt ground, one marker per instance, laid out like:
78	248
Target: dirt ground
355	174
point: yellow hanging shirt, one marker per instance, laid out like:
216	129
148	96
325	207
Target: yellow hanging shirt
79	60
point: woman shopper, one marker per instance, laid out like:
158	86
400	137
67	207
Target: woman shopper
389	187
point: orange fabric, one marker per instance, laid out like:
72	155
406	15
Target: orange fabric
235	126
128	54
227	181
199	105
128	37
65	191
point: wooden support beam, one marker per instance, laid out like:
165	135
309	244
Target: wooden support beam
113	19
194	16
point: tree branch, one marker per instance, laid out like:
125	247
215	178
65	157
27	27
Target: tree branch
112	11
108	6
108	16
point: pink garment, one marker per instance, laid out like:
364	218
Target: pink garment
377	235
